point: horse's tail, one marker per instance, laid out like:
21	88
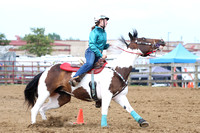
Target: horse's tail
30	92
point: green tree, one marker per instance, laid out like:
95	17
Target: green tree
54	36
3	40
38	43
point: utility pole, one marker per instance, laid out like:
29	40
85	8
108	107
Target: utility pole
168	41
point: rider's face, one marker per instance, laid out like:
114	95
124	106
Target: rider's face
103	22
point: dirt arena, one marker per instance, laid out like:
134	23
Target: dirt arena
168	110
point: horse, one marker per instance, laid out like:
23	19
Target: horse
53	83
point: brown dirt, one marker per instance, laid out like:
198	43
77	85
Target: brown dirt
168	110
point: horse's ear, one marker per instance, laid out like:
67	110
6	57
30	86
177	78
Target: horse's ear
135	33
130	36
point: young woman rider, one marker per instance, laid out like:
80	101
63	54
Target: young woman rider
97	43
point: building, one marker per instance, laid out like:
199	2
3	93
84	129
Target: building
193	47
58	48
77	48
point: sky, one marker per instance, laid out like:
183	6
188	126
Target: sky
171	20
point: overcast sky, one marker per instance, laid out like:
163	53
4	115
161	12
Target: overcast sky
175	20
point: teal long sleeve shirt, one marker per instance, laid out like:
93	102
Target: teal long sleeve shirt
97	41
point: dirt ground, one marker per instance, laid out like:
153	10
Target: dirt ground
168	110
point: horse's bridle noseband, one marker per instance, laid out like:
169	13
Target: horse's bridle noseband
153	45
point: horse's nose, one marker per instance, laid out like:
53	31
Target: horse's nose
162	42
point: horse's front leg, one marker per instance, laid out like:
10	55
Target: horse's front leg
123	101
106	99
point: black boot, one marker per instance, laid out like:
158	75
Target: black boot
73	81
98	104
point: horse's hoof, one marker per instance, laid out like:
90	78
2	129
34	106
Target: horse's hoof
106	126
30	125
98	104
143	123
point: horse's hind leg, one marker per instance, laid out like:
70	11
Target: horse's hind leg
123	101
42	96
54	102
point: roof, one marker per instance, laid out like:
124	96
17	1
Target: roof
21	43
17	42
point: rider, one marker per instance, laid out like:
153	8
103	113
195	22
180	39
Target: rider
97	43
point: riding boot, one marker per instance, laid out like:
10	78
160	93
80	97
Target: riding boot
75	80
98	104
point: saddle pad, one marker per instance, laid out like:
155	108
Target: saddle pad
67	67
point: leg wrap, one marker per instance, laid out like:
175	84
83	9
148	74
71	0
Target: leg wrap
136	116
104	121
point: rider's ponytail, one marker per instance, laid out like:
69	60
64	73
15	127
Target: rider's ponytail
93	27
96	24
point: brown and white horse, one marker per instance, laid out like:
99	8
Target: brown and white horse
111	83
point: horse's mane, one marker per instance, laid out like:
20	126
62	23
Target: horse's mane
114	49
123	40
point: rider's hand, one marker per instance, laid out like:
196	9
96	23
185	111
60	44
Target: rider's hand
104	56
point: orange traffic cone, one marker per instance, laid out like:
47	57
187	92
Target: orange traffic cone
79	118
183	86
190	85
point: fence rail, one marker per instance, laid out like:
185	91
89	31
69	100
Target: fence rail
15	72
173	80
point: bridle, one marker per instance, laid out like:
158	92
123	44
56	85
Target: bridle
153	45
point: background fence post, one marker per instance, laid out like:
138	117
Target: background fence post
38	67
6	74
196	75
172	74
23	74
150	76
13	72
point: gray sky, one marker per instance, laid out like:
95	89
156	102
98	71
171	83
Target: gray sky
176	19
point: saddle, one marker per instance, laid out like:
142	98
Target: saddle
98	67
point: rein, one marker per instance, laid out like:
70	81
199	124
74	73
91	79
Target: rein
136	53
150	52
128	51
